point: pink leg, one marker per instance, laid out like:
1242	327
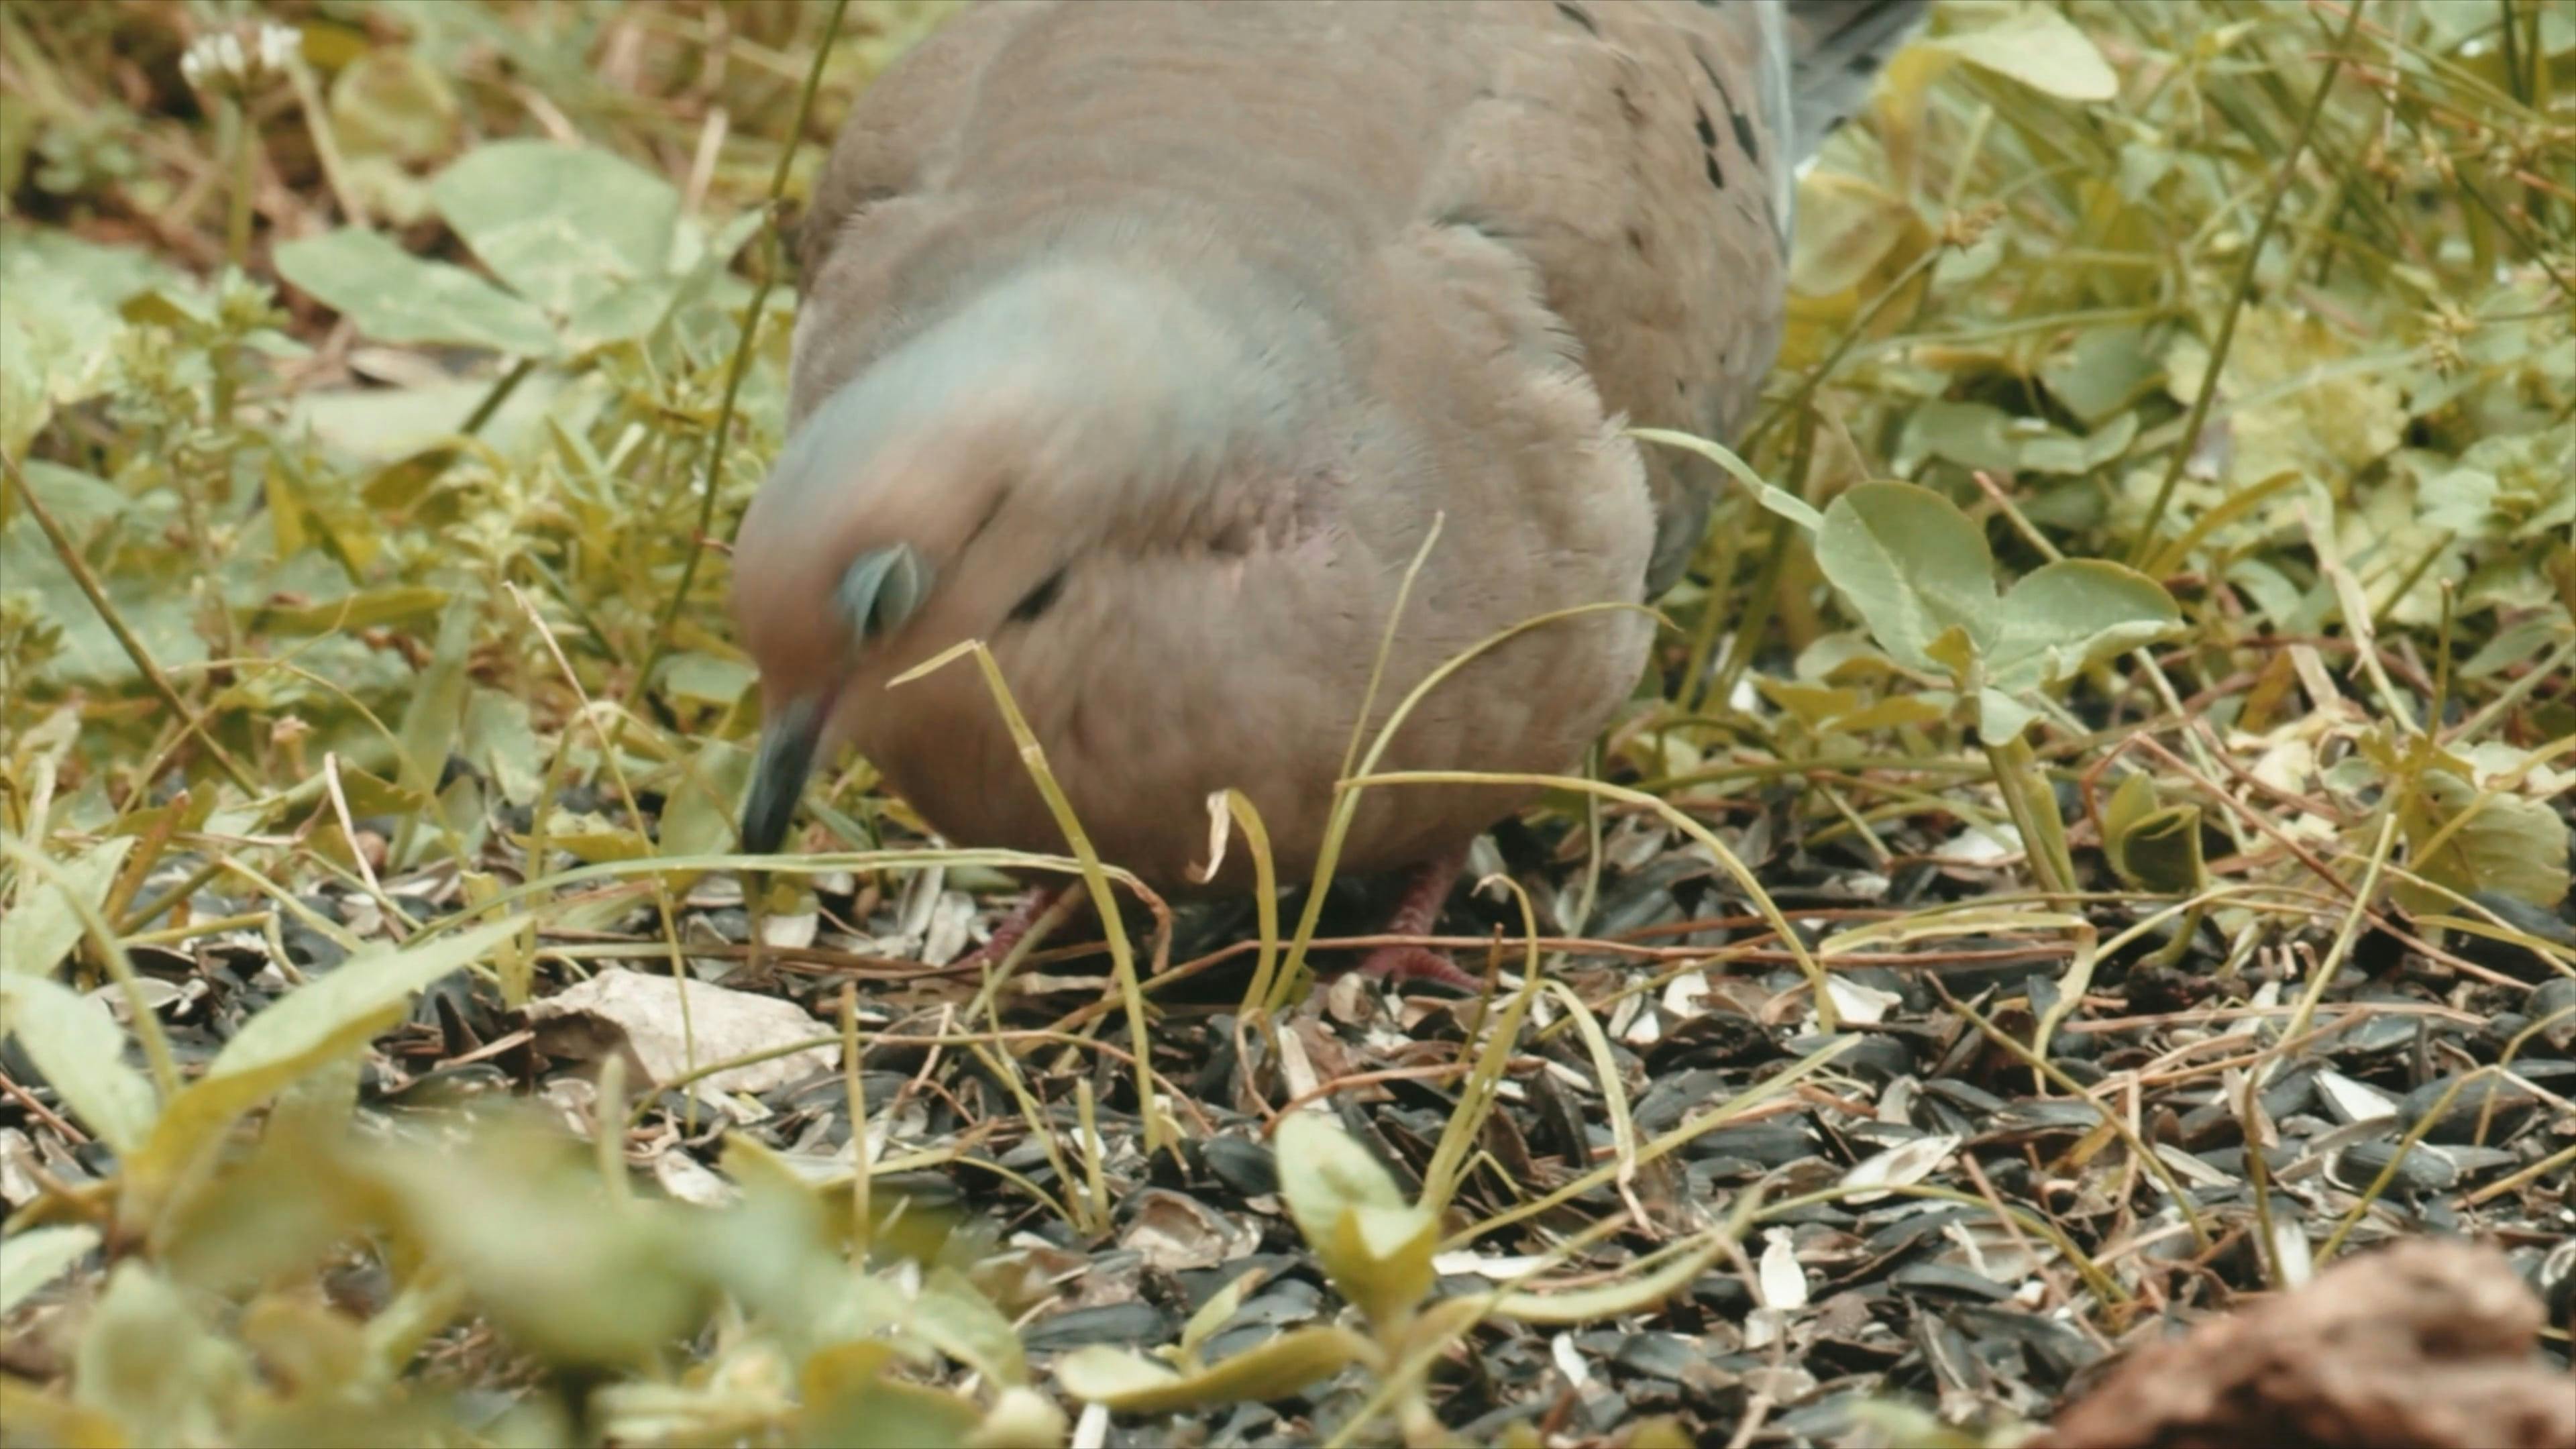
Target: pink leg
1016	923
1415	915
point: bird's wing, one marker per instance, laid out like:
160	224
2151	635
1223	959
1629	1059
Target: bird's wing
1644	156
1638	154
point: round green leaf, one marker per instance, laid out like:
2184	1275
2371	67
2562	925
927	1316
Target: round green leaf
2471	840
1912	566
2068	614
394	296
564	226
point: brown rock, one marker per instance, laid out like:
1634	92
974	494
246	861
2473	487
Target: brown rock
2423	1345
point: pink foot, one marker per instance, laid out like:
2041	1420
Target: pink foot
1415	915
1417	963
1015	925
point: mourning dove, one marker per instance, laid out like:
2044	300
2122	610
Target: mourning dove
1146	343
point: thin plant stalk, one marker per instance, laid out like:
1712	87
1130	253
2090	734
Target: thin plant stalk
1095	877
862	1168
241	155
2032	803
774	263
69	555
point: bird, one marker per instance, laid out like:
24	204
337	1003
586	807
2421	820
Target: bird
1150	343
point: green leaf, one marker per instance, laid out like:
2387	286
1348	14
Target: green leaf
2162	853
437	709
146	1359
852	1402
363	988
2471	840
81	1050
2516	643
631	310
564	1269
1912	566
699	820
707	678
1812	704
564	226
2105	372
1133	1384
1897	711
2149	846
176	307
394	296
364	609
2041	49
2071	613
44	924
1376	1246
2002	717
501	742
968	1328
80	502
1970	434
36	1257
1610	1300
590	840
1218	1311
1847	229
60	331
392	103
369	793
2132	801
1779	500
310	1025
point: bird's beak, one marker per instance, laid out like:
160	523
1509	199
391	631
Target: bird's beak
878	592
787	744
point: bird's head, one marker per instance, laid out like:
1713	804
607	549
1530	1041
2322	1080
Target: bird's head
963	484
868	540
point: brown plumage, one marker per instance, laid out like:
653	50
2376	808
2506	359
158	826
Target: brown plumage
1145	341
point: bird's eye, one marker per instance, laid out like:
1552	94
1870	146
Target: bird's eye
882	588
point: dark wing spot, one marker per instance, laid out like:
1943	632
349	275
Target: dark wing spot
1716	177
1575	13
1735	116
1039	599
1707	132
1744	135
1636	241
1711	72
